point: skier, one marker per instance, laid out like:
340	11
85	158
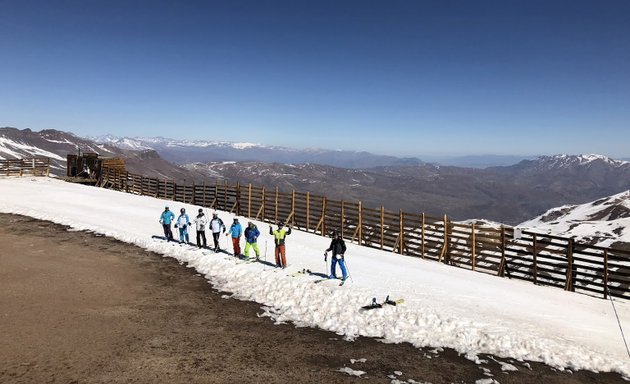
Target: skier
338	248
216	226
182	223
200	222
236	231
251	235
165	219
279	235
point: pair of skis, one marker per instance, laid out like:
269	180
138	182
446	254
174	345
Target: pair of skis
376	305
301	273
329	278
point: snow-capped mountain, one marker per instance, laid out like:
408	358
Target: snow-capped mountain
161	142
604	222
193	151
567	161
24	143
17	144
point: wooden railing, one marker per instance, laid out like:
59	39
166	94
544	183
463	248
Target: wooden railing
36	166
504	251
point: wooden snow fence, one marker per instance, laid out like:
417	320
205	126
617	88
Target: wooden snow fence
35	166
498	250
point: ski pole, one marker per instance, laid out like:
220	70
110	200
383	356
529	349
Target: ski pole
265	264
348	269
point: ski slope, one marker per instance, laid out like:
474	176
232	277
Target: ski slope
444	306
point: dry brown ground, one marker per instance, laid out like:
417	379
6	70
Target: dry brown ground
79	308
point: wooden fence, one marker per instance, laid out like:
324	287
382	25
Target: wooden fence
36	166
504	251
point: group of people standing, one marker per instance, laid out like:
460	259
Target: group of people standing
216	226
183	222
251	233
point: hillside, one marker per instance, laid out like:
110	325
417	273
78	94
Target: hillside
604	222
193	151
506	194
16	144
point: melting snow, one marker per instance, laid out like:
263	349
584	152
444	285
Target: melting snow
505	318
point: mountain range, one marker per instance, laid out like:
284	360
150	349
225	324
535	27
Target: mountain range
20	143
192	151
508	194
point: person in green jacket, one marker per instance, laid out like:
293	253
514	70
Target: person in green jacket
279	235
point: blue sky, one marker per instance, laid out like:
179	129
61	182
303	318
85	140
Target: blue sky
419	78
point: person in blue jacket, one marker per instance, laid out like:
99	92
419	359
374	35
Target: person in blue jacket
165	219
236	231
183	222
251	237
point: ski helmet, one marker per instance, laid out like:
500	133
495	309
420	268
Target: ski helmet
182	210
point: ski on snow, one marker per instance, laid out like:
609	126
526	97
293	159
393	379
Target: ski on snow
376	304
329	279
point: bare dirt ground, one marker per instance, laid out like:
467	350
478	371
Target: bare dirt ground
80	308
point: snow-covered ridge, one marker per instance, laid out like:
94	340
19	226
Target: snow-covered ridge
602	222
153	142
563	161
156	142
17	150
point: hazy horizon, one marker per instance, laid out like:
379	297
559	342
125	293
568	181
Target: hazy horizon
425	78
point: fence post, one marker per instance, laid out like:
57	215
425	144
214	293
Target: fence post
238	199
360	223
324	216
342	218
308	211
422	236
605	273
249	201
502	264
204	194
292	214
382	227
264	205
568	286
473	246
535	255
48	167
225	195
21	167
276	209
444	253
401	230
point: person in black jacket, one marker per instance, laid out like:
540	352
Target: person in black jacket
338	248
